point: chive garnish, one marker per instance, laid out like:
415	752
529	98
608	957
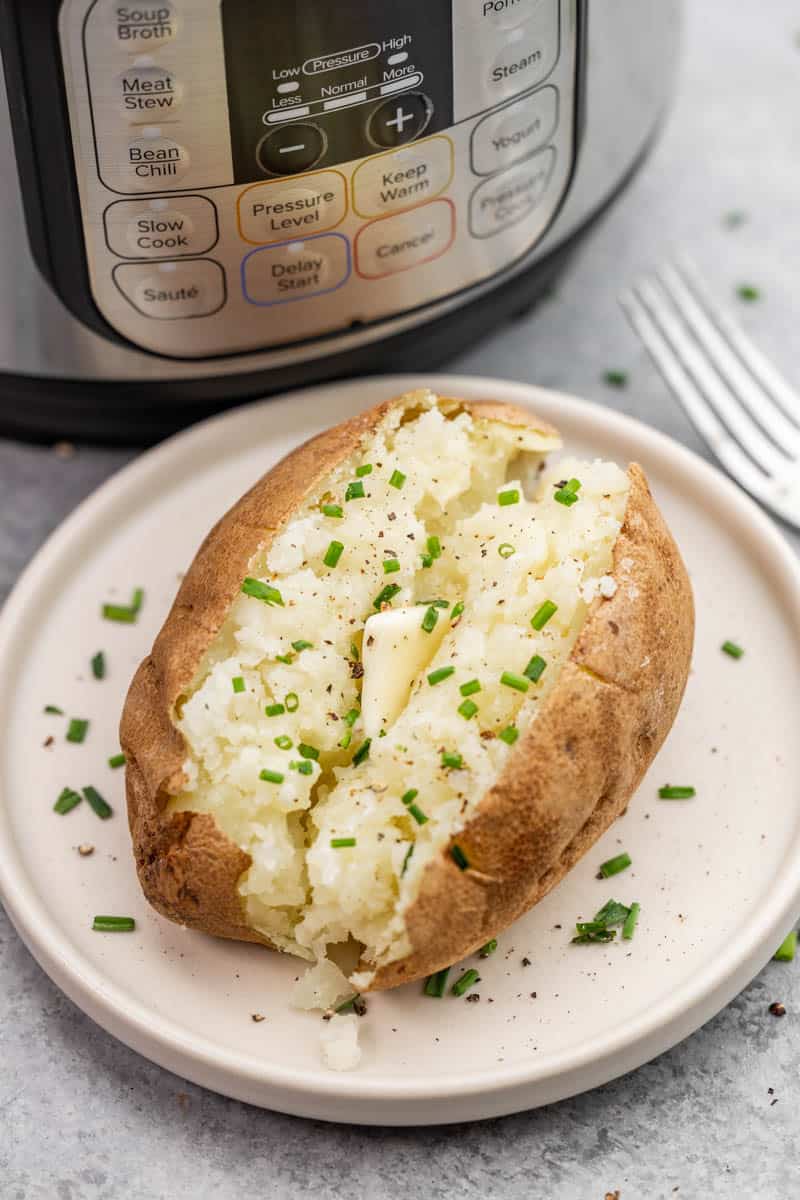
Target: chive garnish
453	760
787	949
354	652
283	742
262	591
386	595
113	925
355	491
362	753
417	813
467	980
306	751
509	735
302	768
469	689
366	469
410	796
434	603
440	674
406	860
505	550
274	710
434	546
98	805
468	709
615	378
117	760
732	649
676	793
748	293
517	682
351	717
333	554
535	668
342	843
238	684
543	614
459	857
292	702
390	566
436	984
568	494
345	741
53	710
397	479
288	659
427	561
612	913
125	614
333	510
629	925
430	619
68	800
457	611
508	497
301	645
488	949
613	866
77	730
271	776
99	665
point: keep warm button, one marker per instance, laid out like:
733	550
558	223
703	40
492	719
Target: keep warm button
396	244
173	291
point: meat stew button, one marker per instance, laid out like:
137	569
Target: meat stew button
172	291
395	244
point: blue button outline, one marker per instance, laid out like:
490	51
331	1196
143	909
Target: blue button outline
315	237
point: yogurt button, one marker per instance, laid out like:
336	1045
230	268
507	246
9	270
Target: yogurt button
514	132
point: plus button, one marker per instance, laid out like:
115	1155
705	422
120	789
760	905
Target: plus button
400	120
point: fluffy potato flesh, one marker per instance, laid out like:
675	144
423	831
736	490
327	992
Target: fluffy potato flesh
342	762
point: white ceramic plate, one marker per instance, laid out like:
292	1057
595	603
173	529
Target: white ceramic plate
718	877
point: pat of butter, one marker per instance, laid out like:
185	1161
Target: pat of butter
395	651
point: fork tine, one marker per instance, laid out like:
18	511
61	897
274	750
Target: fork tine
757	363
689	396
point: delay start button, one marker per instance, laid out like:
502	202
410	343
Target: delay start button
142	27
161	228
296	270
173	291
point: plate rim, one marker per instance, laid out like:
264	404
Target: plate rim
651	1033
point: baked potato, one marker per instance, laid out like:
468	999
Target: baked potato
407	682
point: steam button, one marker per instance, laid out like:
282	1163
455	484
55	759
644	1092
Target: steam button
145	26
291	149
399	121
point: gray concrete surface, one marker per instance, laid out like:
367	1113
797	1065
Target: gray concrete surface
83	1117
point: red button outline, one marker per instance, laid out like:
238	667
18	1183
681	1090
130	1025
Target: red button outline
415	212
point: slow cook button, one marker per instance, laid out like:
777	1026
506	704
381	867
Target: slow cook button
161	228
154	162
146	93
507	198
144	27
271	212
402	179
514	132
528	55
296	270
395	244
173	291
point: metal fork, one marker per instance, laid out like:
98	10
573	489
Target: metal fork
740	405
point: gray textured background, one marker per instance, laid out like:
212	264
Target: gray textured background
82	1116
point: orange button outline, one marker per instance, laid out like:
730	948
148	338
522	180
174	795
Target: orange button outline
393	217
379	216
282	182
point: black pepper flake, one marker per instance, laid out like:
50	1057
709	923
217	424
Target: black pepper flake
257	1017
391	516
48	742
472	998
360	1006
356	670
777	1009
526	962
534	995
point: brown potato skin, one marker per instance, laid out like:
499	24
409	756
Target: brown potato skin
565	781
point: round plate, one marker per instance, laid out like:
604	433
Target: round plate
718	877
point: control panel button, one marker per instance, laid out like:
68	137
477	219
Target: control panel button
395	244
143	27
514	132
173	291
505	199
161	228
403	179
296	270
522	63
154	162
506	14
398	121
291	149
147	93
271	212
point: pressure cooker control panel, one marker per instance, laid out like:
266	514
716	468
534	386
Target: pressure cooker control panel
252	175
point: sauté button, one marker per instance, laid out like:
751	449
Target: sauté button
146	93
509	197
296	270
403	179
291	149
155	162
271	212
161	228
143	27
400	120
395	244
173	291
514	132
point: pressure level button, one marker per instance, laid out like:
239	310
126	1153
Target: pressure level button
291	149
143	27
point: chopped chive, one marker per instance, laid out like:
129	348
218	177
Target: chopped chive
77	730
362	753
342	843
386	595
417	813
509	497
734	219
506	550
410	796
488	949
629	925
271	776
457	611
283	742
97	803
117	760
68	800
355	491
509	735
613	866
535	668
591	931
262	591
238	684
565	497
427	561
333	554
137	599
390	565
732	649
615	378
288	659
346	740
440	674
351	717
306	751
459	857
113	924
53	710
517	682
434	546
467	980
469	689
120	613
366	469
574	485
333	510
302	768
468	709
348	1006
543	614
787	949
748	293
292	702
452	759
397	479
433	603
99	665
354	651
406	860
274	710
436	984
676	793
612	913
301	645
430	619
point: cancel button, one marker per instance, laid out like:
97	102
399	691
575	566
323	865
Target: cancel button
395	244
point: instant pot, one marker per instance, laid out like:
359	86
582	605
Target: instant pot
216	199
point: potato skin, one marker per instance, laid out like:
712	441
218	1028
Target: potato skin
565	781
